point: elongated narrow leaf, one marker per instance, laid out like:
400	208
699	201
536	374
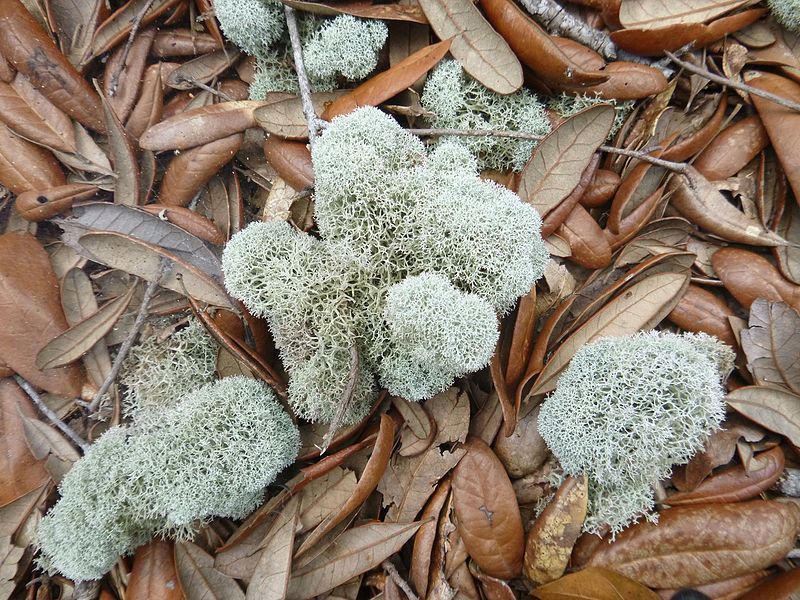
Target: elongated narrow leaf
354	552
199	578
79	339
479	48
650	14
559	160
271	575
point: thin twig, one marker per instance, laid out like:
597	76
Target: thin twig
726	81
207	88
676	167
302	76
392	572
48	412
128	343
135	24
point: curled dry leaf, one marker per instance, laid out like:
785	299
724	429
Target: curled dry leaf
482	52
486	508
558	161
25	166
153	574
201	125
363	9
736	483
702	311
697	133
20	471
188	172
26	46
696	199
188	220
150	106
779	586
772	344
650	14
31	313
117	27
291	160
595	583
748	276
627	81
782	124
524	451
183	42
203	69
774	408
49	445
270	577
550	541
285	117
590	247
38	205
727	589
534	46
519	352
601	189
123	73
123	157
694	545
425	538
384	86
732	149
354	552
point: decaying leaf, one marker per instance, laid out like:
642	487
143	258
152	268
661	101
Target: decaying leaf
595	583
153	574
271	575
774	408
649	14
199	579
772	344
694	545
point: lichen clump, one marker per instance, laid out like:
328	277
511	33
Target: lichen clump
212	454
786	12
395	224
627	409
459	102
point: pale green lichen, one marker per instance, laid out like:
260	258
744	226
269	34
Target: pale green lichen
253	25
460	102
344	46
627	409
211	454
786	12
386	211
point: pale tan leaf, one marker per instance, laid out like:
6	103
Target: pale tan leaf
10	556
286	118
651	14
271	575
558	161
199	579
640	307
772	407
482	52
772	344
47	444
81	337
354	552
318	502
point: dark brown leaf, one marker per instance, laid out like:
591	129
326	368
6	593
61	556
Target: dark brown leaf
701	311
117	27
153	574
748	276
25	166
122	80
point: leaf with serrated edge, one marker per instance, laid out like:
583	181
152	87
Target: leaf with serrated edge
79	339
640	307
651	14
354	552
271	575
772	407
558	161
198	577
482	52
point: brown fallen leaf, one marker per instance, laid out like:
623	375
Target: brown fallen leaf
594	583
727	589
123	156
30	310
650	14
38	205
589	246
117	26
601	189
74	24
478	48
702	311
551	538
694	545
366	10
20	471
291	160
25	45
626	81
391	82
203	69
693	137
772	344
487	513
123	73
780	586
183	42
149	107
774	408
732	149
198	578
270	577
425	537
188	220
524	451
354	552
748	276
734	484
153	574
557	162
25	166
285	117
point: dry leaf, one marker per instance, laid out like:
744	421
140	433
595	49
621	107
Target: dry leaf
203	69
486	508
354	552
117	27
477	47
649	14
772	344
291	160
771	407
748	276
48	444
732	149
286	117
25	166
702	311
199	579
425	538
626	81
153	574
596	584
693	545
551	538
270	577
523	451
366	10
601	189
588	244
558	161
31	314
778	586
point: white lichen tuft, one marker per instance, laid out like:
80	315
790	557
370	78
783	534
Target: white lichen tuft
460	102
253	25
627	409
157	374
273	73
786	12
212	454
344	46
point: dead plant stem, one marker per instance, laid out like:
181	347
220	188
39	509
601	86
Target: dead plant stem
302	76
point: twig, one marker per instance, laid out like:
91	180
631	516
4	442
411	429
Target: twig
135	24
743	87
48	412
302	76
392	572
345	403
207	88
128	343
676	167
